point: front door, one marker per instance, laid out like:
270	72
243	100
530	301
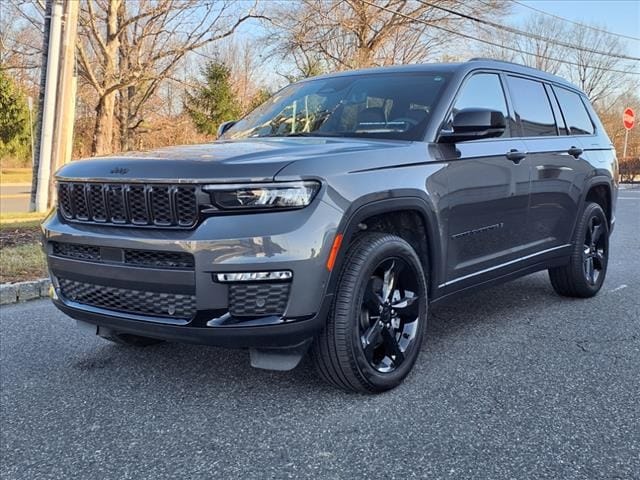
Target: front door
488	191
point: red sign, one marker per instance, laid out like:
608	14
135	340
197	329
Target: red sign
628	118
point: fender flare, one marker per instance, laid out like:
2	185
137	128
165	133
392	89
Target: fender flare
367	207
595	181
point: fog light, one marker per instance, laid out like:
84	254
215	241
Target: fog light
254	276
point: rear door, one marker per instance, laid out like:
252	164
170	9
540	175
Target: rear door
488	193
558	169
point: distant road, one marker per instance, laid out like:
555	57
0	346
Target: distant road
14	198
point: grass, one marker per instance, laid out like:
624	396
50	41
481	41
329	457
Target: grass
22	262
15	175
21	257
20	220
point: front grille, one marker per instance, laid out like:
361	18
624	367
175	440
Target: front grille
255	299
128	256
149	258
129	301
141	205
72	250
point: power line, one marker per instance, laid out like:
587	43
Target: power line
576	23
531	35
514	49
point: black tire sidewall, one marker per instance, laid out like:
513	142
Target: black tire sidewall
590	210
378	252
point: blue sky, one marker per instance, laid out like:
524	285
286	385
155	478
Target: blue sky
617	16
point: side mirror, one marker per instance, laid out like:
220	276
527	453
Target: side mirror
225	126
474	124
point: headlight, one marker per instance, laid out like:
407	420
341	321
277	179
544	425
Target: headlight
263	195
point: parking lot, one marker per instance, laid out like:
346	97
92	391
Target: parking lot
512	382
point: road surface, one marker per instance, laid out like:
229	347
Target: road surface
14	198
513	382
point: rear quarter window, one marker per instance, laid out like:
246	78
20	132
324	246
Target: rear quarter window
575	113
532	107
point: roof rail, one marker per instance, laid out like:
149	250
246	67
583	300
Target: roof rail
483	59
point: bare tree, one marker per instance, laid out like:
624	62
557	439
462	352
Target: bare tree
507	46
345	34
594	72
21	25
590	58
129	48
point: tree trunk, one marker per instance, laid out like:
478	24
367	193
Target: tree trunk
103	131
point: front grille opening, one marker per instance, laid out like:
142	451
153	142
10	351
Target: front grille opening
148	258
170	305
138	258
140	205
258	299
72	250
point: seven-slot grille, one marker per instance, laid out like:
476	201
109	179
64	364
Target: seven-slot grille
129	204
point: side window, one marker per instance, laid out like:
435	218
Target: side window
532	107
483	90
562	128
575	113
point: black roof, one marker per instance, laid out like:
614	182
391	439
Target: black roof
458	67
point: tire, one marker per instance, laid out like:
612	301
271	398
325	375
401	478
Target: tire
358	350
583	276
130	340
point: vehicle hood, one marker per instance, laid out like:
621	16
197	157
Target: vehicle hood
251	160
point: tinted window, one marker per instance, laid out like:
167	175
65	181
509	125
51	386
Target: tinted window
532	107
556	111
575	113
483	90
393	106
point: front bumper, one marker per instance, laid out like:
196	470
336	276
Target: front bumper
298	241
268	332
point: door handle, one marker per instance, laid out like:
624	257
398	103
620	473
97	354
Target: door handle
515	155
575	152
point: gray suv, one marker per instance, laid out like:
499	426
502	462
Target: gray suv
329	219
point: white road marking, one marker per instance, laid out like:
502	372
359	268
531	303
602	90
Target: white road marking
619	288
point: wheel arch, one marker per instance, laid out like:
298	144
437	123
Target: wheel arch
600	190
372	212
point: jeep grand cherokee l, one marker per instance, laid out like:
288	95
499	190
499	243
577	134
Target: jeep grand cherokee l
334	215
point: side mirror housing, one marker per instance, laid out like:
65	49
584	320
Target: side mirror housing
225	126
474	124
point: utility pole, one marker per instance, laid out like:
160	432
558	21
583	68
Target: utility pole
48	109
43	82
66	93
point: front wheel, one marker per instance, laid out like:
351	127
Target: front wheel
584	274
376	324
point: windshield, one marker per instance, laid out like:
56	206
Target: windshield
390	106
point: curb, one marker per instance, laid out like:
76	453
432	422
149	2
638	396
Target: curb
23	291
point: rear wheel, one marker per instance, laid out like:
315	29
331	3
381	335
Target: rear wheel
375	328
584	274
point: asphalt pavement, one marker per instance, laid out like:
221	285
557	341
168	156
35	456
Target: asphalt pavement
513	382
14	198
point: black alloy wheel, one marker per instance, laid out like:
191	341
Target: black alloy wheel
595	246
586	268
377	321
389	318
